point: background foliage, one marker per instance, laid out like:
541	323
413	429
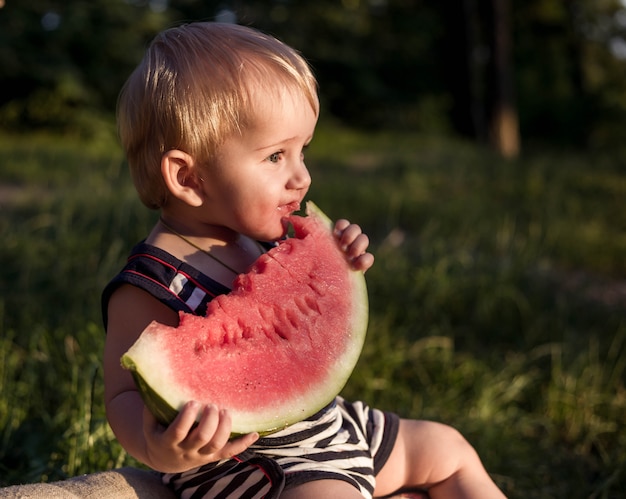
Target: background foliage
403	64
497	300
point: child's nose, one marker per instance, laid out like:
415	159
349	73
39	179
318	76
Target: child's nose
300	178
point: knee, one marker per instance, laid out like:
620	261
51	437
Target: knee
444	439
456	442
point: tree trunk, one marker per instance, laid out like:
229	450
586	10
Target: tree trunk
504	127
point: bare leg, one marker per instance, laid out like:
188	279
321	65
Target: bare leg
317	489
437	458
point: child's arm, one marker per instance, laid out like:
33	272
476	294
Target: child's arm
354	243
180	446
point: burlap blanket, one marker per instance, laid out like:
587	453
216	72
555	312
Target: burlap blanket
123	483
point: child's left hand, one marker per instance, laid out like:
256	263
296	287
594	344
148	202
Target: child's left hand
354	244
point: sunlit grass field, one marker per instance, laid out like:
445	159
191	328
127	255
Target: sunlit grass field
498	300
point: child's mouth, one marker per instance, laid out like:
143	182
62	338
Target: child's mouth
289	208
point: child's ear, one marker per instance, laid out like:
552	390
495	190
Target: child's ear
181	177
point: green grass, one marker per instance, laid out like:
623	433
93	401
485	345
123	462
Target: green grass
498	300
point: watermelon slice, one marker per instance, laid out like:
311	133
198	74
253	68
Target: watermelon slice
275	350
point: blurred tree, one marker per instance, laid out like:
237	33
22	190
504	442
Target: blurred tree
63	63
571	78
373	58
504	125
424	65
477	48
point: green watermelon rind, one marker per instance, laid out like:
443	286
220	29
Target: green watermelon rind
165	413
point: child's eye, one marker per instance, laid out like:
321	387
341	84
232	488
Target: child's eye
275	157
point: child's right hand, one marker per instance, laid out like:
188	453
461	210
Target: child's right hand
181	446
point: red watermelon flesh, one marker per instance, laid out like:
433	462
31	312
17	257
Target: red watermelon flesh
275	350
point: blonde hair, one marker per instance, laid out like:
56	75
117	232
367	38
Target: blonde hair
194	88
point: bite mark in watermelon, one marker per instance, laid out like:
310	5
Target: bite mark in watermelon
275	350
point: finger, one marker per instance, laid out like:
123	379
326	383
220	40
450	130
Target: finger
238	445
349	235
221	434
358	246
204	432
340	226
178	430
363	262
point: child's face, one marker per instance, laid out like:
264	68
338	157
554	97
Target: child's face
260	177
